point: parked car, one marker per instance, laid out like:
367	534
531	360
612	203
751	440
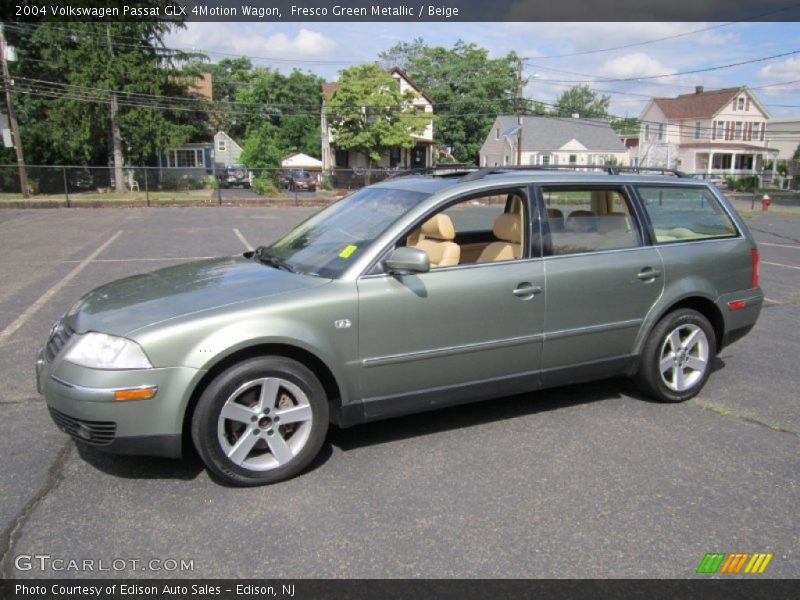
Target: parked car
413	294
235	175
298	179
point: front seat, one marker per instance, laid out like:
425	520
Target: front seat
507	229
436	235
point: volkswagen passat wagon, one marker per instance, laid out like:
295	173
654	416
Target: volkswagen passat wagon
417	293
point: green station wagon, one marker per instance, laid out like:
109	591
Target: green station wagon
420	292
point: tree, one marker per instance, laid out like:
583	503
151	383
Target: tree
626	126
370	114
583	100
228	76
290	103
469	89
97	91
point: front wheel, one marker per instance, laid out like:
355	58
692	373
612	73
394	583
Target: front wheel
676	361
260	421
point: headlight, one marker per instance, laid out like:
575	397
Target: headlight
101	351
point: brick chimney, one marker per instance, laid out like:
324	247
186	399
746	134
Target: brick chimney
698	89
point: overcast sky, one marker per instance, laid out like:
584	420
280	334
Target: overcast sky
325	48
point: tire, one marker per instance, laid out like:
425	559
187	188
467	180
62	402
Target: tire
677	358
251	394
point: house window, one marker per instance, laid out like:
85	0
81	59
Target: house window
188	159
342	158
741	103
697	130
573	159
721	161
737	133
221	147
545	159
647	132
720	131
394	157
497	134
756	130
660	131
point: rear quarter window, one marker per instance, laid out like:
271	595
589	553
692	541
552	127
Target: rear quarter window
685	214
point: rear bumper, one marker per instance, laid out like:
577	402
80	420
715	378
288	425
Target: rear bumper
740	320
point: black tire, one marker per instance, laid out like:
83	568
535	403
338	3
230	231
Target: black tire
682	378
293	383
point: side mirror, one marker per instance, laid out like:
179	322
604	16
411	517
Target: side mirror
405	261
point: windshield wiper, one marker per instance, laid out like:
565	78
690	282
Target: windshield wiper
261	255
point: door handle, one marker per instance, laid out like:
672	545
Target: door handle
648	274
526	290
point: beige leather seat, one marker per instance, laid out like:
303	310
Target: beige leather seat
507	229
581	221
435	238
556	218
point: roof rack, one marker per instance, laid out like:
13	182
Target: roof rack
610	169
446	170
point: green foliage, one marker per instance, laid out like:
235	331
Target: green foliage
70	124
626	126
469	89
583	100
260	149
742	184
282	98
263	185
368	113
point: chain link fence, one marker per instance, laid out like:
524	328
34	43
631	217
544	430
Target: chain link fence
53	185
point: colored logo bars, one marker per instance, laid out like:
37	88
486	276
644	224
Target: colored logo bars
734	563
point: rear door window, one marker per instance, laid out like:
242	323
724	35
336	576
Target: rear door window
681	214
588	219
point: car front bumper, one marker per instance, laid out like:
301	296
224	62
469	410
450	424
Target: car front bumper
81	402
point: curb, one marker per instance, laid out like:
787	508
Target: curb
265	203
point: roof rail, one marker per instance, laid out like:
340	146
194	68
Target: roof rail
610	169
446	170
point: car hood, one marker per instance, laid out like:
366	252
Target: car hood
125	305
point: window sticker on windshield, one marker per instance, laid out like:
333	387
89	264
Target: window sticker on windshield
348	251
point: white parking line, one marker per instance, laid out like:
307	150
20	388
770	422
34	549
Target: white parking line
763	262
29	312
247	245
795	246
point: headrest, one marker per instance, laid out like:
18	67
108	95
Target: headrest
506	228
555	213
439	227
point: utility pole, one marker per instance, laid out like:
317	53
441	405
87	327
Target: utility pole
116	135
519	110
12	119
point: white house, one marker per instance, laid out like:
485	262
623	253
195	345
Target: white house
421	155
721	132
552	141
784	136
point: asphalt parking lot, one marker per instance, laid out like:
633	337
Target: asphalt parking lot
584	481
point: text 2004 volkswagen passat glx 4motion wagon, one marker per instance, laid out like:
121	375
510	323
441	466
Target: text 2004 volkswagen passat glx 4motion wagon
420	292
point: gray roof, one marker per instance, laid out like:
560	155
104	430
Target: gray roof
551	133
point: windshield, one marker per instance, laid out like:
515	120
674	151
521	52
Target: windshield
327	242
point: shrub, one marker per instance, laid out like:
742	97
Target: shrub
263	185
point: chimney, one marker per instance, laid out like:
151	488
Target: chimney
698	89
576	116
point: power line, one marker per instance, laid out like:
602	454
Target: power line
677	74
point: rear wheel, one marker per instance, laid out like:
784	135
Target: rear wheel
676	361
260	421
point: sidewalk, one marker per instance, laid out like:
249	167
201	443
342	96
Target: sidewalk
782	203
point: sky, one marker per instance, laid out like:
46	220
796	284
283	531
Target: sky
325	48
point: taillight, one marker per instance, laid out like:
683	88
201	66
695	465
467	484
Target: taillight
754	258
